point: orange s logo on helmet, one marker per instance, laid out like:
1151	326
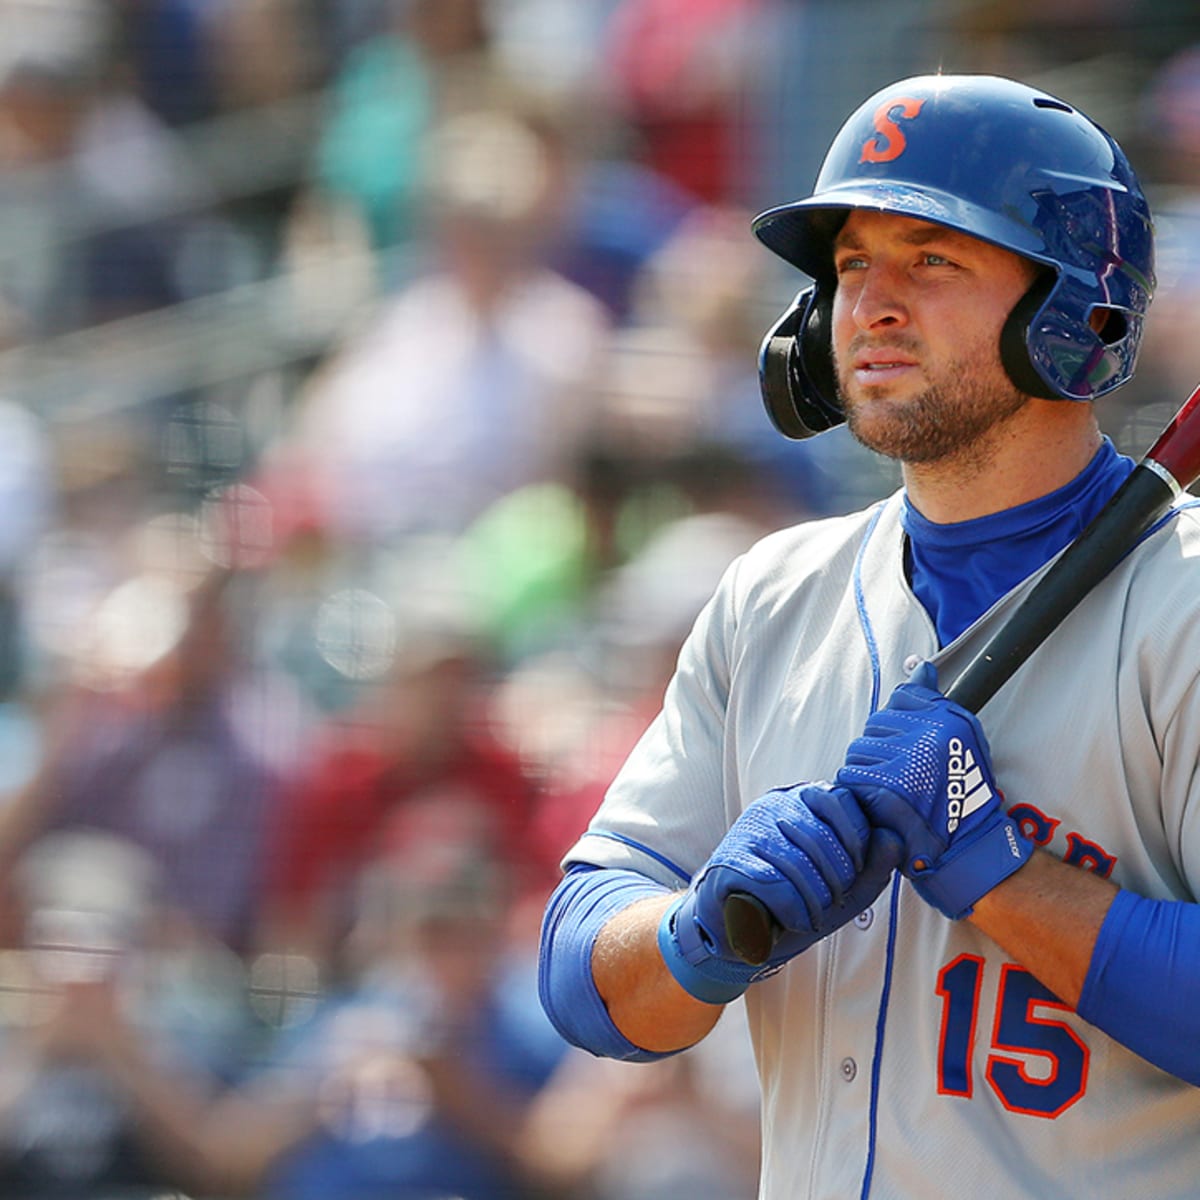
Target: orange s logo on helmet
888	140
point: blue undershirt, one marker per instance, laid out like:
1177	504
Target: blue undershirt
959	571
1143	983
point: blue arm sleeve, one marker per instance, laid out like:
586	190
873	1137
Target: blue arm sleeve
1143	983
585	899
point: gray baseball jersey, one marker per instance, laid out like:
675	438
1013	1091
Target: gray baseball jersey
907	1049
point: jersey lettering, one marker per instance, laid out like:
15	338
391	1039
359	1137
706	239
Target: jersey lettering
1080	852
888	141
1037	1064
1034	823
958	985
1022	1028
1089	856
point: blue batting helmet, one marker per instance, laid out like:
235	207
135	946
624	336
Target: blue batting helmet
1004	163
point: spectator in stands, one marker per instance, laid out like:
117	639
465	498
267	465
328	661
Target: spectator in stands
477	377
415	1080
155	741
94	187
428	1061
117	1014
431	60
169	50
682	73
418	741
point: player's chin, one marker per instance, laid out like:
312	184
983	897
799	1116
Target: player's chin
896	430
866	398
876	416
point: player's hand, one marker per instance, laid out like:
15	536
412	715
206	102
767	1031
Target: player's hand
808	854
923	769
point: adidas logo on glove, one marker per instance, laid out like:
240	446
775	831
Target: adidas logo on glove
966	789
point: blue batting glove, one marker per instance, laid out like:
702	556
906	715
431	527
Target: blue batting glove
808	854
923	769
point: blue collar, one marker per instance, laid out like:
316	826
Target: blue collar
958	571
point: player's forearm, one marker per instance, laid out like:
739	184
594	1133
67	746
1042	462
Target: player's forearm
602	978
1128	964
1047	916
642	997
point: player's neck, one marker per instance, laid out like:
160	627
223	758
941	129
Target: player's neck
1040	449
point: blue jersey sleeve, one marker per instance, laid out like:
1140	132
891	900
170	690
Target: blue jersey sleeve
584	901
1143	983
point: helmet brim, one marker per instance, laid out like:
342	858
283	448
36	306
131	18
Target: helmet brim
802	231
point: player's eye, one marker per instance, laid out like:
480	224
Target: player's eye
932	259
850	262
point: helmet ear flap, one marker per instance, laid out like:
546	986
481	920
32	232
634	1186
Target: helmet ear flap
1085	348
1015	340
795	368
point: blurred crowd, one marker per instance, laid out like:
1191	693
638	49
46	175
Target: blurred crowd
378	407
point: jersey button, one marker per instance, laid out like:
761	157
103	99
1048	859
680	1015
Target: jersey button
848	1068
865	919
912	662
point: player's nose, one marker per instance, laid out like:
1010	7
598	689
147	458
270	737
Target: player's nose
879	298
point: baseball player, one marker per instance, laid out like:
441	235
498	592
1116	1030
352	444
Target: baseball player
985	976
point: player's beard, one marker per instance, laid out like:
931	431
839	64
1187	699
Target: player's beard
951	418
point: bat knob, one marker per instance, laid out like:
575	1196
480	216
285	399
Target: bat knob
749	928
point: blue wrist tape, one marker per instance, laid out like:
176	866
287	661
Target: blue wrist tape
584	901
964	873
1143	983
682	950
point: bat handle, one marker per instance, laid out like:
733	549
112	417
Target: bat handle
749	927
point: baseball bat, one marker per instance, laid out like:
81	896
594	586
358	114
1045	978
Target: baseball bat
1170	466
